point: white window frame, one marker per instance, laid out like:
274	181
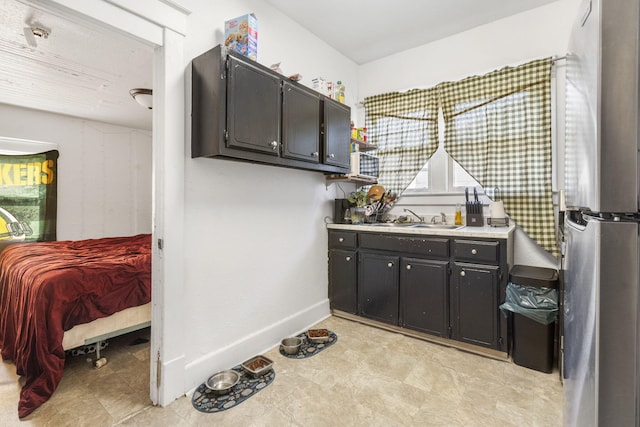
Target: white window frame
24	146
440	171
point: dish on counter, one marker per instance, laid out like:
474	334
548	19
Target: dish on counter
375	193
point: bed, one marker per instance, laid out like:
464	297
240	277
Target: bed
57	295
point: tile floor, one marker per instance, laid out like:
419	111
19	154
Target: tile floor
370	377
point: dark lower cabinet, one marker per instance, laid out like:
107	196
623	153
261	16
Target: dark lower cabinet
424	296
343	270
442	286
378	287
474	304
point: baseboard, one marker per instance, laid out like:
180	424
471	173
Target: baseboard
171	381
470	348
253	344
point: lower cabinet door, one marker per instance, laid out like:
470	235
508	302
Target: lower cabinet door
424	296
474	304
378	287
343	280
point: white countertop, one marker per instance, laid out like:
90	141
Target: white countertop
464	231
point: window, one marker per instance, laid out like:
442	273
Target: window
404	127
496	128
455	181
441	174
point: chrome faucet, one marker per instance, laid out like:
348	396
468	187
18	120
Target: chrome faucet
443	218
421	218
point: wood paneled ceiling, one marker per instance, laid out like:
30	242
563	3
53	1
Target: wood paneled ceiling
48	62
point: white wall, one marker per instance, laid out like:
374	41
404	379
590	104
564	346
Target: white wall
538	33
104	171
256	262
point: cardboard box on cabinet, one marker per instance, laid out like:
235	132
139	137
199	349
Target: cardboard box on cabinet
241	35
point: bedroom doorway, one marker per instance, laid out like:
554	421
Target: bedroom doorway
164	34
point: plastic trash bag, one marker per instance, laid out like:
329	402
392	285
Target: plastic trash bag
538	304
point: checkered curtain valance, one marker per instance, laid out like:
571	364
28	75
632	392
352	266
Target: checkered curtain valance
404	126
498	128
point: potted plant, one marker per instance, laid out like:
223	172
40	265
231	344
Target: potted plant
360	199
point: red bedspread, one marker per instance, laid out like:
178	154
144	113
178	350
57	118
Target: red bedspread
47	288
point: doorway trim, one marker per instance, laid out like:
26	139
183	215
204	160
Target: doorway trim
161	23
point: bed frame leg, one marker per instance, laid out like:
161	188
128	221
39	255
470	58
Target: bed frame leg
100	361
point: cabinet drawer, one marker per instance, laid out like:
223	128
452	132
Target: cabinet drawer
431	246
477	251
342	239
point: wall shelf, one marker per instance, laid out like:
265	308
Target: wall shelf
346	178
363	145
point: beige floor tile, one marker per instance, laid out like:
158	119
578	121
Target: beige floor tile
369	377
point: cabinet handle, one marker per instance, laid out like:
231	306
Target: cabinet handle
273	144
462	273
341	239
409	267
331	155
314	154
474	251
348	258
390	265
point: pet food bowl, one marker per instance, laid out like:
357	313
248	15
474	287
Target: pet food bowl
257	366
291	345
222	382
318	335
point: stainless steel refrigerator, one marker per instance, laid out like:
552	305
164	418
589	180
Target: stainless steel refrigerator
600	305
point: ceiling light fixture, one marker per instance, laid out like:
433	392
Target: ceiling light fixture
143	97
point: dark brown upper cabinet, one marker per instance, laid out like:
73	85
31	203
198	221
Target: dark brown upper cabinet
337	122
253	108
300	123
244	111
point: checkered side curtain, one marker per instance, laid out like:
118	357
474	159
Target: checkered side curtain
498	128
404	126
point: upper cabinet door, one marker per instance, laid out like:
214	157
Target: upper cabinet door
300	124
337	134
253	108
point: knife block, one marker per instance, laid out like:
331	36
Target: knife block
474	219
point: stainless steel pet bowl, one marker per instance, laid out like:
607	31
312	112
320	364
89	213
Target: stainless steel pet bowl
291	345
222	382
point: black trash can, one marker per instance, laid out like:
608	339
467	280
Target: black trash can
534	325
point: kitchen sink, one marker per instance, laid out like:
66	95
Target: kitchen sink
415	225
390	224
438	226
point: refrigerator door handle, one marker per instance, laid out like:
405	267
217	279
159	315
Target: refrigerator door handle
571	225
